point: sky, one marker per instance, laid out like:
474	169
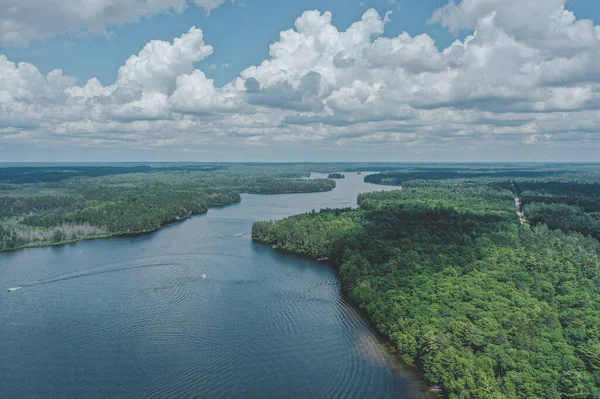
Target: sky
299	80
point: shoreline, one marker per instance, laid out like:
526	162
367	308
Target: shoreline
384	340
413	374
41	244
114	235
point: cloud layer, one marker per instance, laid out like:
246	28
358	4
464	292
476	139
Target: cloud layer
528	74
22	21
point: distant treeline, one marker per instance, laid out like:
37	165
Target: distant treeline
397	178
41	174
286	186
569	206
87	202
566	199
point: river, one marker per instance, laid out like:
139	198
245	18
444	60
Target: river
194	310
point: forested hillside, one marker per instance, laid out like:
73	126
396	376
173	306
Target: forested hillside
42	205
487	308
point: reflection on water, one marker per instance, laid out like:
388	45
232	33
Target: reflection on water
193	310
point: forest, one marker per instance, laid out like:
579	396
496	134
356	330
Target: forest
486	307
565	205
336	176
50	204
398	177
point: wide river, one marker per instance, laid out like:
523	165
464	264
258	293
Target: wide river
135	317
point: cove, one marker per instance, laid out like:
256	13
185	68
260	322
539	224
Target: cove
195	309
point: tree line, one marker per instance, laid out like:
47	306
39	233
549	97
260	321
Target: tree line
565	205
336	176
487	308
89	202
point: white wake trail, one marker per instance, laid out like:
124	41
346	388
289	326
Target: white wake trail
93	271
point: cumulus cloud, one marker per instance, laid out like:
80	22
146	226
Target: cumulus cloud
22	21
517	78
307	96
196	94
159	63
27	98
544	24
147	81
418	54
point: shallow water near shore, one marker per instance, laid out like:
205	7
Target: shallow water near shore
195	309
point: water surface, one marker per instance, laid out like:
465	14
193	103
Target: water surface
135	317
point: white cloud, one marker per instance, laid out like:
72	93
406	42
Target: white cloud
544	24
416	55
159	63
209	4
22	21
27	98
532	79
147	80
196	94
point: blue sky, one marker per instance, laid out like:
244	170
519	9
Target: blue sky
240	33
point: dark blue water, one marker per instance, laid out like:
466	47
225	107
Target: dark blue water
134	317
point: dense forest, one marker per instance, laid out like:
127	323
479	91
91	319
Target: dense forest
485	306
336	176
398	177
43	205
565	205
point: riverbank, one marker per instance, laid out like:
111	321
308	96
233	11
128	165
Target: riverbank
111	235
448	273
247	329
37	212
429	392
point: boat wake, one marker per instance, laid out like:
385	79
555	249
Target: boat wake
121	266
87	273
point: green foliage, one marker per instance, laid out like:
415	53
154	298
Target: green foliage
9	239
569	206
465	196
564	217
58	236
109	200
311	234
397	178
487	308
286	186
336	176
